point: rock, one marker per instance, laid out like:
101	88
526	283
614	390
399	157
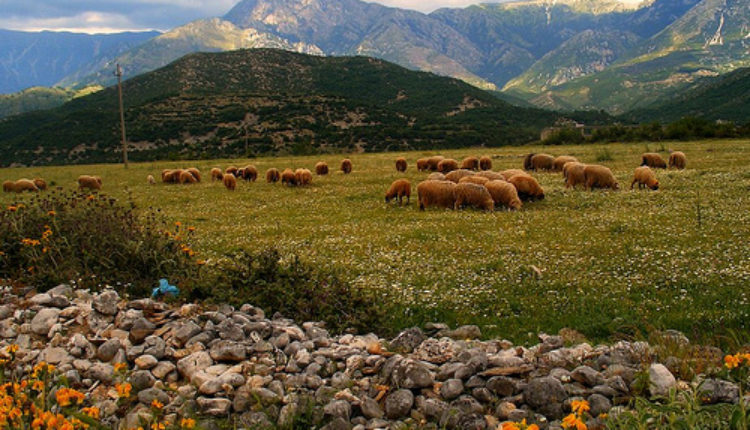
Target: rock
503	410
162	369
718	391
141	329
107	350
451	389
106	302
142	379
502	386
214	407
660	380
398	404
187	331
54	355
462	333
337	424
338	409
407	340
228	350
435	351
545	395
101	372
193	363
412	374
371	408
150	394
549	343
599	405
146	362
587	376
44	320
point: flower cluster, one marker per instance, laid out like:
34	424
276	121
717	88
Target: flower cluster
577	419
509	425
736	360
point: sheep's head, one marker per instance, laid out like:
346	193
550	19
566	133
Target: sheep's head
654	184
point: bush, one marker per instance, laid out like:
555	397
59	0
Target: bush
91	239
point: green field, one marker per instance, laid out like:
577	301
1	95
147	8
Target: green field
611	262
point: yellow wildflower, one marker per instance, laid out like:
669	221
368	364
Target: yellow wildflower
187	423
580	406
12	349
158	426
572	421
51	213
120	367
123	390
731	361
93	412
156	404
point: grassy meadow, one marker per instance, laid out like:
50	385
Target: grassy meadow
611	263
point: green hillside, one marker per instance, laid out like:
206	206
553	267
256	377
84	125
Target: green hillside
38	98
269	102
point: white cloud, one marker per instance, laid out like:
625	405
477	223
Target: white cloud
85	22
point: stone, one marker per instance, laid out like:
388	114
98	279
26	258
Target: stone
44	320
599	404
142	379
451	389
187	331
101	372
398	404
193	363
407	340
141	329
338	409
214	406
106	302
146	362
586	376
660	380
371	408
162	369
503	410
150	394
412	374
718	391
55	355
462	333
435	351
502	386
545	395
107	350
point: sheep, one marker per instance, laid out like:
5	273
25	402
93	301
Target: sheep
216	174
423	164
240	173
512	172
249	173
504	194
436	176
597	176
485	163
644	176
475	179
538	162
302	177
90	182
456	175
287	177
231	170
492	176
171	176
447	165
434	161
40	183
527	187
399	188
187	178
150	179
653	160
401	164
346	166
436	193
573	174
470	163
677	160
272	175
9	186
22	185
321	168
195	172
473	195
229	181
559	162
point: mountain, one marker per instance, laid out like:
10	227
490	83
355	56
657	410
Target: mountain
269	101
38	98
30	59
726	97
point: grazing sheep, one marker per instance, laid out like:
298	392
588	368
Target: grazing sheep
456	175
470	163
231	170
229	181
504	194
475	179
559	162
40	183
302	177
9	186
644	176
321	168
436	176
436	193
195	172
538	162
434	161
272	175
492	176
346	166
653	160
485	163
677	160
171	176
399	188
22	185
240	173
216	174
249	173
447	165
573	174
287	177
187	178
473	195
512	172
423	164
90	182
401	164
527	187
150	179
597	176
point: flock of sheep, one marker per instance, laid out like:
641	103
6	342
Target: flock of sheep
39	184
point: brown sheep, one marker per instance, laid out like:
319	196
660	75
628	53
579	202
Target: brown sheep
229	181
485	163
40	183
240	173
423	164
644	176
249	173
470	163
504	194
597	176
216	174
527	187
321	168
171	176
187	178
90	182
677	160
302	177
456	175
346	166
512	172
538	162
287	177
150	179
401	164
195	172
434	161
9	186
573	174
436	176
447	165
492	176
653	160
231	170
559	162
475	179
399	188
473	195
22	185
436	193
272	175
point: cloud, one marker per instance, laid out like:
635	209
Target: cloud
429	6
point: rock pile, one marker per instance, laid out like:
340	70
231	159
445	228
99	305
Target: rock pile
237	363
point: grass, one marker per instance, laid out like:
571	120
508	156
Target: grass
612	263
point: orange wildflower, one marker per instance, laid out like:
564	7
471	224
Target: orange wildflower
731	361
580	406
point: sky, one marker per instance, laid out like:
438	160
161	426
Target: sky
108	16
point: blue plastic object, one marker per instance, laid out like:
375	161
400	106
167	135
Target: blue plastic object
165	289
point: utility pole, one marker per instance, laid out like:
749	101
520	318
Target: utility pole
118	73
